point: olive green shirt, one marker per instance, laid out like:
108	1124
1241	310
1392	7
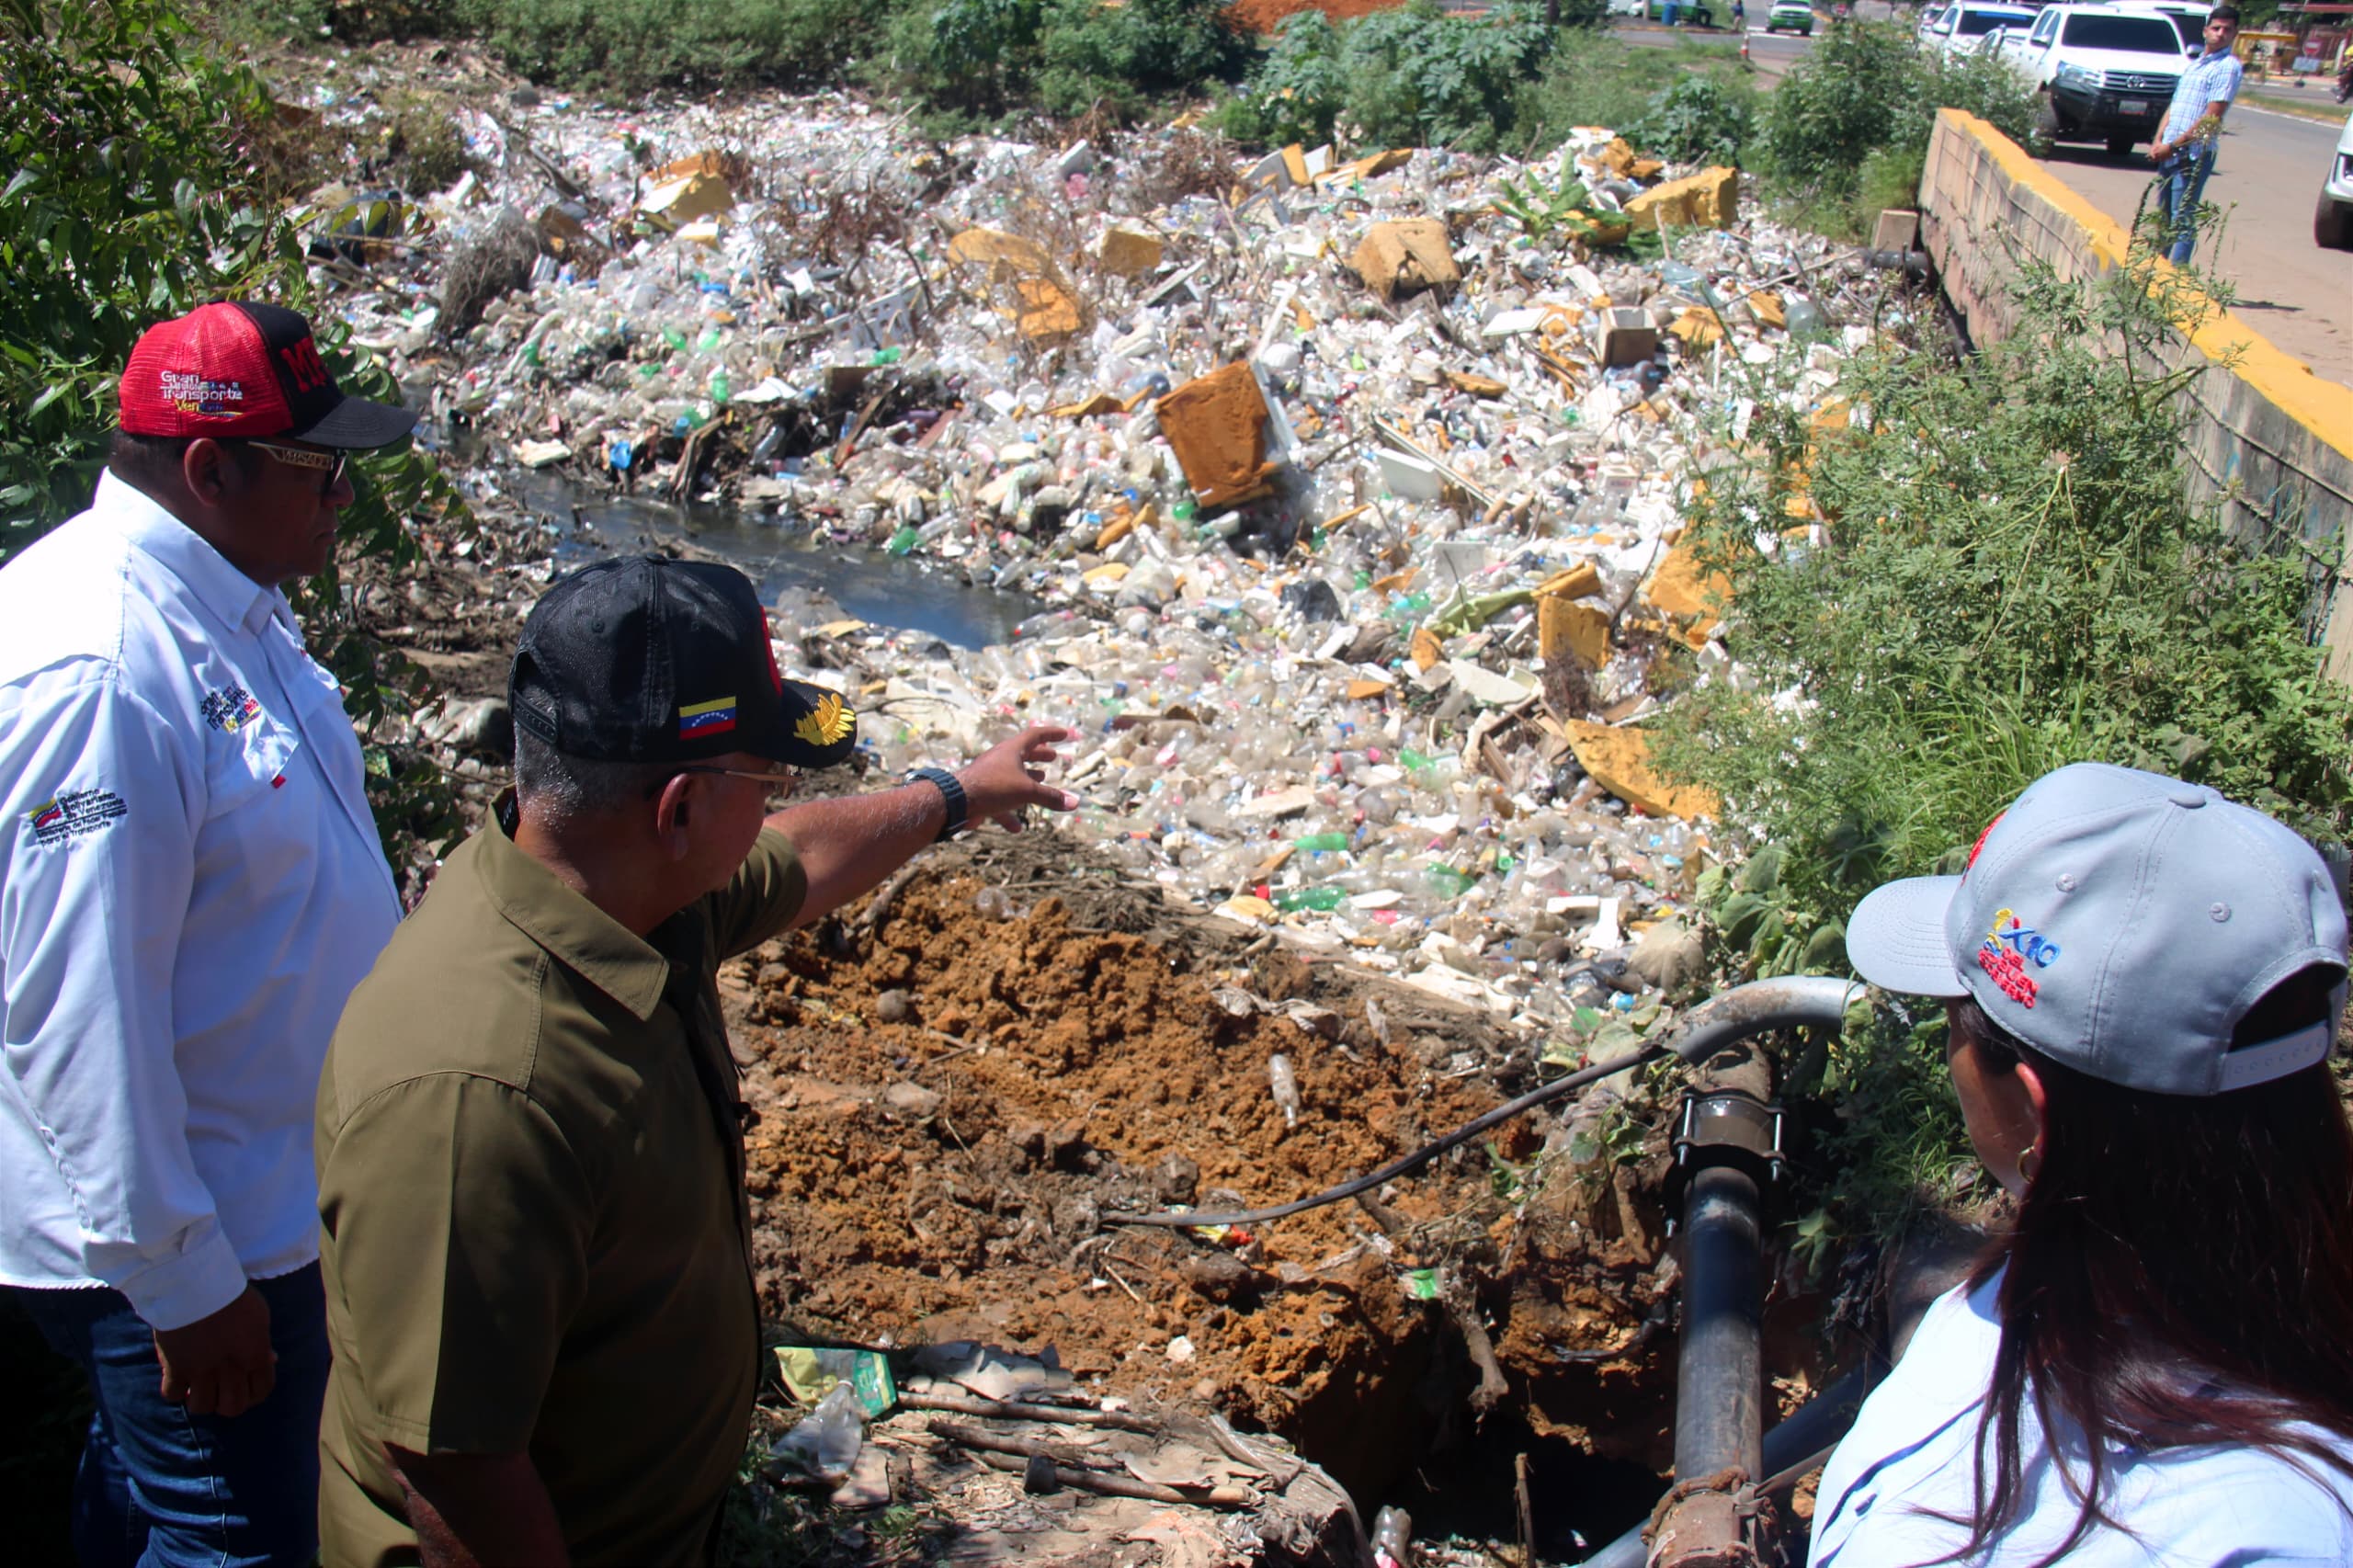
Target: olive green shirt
536	1237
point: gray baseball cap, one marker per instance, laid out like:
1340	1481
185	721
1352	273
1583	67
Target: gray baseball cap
2121	923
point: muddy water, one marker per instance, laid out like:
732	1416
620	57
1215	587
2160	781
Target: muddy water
786	562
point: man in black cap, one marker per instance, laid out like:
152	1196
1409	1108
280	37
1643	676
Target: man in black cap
190	885
536	1243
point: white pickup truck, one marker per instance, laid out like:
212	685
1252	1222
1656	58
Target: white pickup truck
2104	73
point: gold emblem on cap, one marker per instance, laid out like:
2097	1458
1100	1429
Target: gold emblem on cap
826	722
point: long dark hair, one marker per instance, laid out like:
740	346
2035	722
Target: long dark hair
2180	1271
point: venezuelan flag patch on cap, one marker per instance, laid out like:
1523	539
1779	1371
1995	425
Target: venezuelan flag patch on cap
713	718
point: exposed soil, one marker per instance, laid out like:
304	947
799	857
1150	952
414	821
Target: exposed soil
947	1163
1265	15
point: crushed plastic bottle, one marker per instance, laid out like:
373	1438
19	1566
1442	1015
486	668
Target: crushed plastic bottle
1285	1083
826	1442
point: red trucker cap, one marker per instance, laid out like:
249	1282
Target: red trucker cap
241	369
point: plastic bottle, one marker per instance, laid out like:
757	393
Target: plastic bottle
1285	1084
1392	1539
1292	899
1446	882
1320	841
826	1440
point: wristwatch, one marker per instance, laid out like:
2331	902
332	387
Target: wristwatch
951	791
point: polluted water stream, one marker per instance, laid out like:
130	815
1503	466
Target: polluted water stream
791	567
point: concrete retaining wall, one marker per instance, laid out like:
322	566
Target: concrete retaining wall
2271	439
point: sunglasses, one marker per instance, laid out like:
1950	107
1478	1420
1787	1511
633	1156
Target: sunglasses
332	464
780	782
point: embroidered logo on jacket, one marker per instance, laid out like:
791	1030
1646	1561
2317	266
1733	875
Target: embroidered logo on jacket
230	707
71	814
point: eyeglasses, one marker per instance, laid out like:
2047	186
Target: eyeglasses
330	464
779	781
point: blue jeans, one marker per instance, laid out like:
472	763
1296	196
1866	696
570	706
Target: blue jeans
2181	184
160	1488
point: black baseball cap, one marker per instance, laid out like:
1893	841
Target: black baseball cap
246	370
647	659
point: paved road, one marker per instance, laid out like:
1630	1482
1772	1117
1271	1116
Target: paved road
2290	291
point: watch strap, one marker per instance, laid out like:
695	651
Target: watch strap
951	791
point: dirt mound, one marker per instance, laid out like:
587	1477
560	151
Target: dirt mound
1265	15
956	1103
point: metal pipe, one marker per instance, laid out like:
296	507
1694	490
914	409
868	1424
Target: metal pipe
1719	1369
1760	1007
1813	1427
1720	1358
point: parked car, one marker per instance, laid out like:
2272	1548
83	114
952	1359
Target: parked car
2188	17
2332	219
1787	14
2104	73
1958	27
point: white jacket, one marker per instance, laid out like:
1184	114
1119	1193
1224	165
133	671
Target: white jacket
1913	1456
190	885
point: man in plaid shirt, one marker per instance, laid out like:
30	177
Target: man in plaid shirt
2184	150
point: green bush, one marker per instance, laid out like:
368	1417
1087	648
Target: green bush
1866	97
967	63
1595	78
2011	580
628	46
1123	56
1297	92
1699	120
1412	76
1418	76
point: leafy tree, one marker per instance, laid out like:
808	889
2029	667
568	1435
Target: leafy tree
133	197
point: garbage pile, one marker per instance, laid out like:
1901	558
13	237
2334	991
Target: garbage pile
1352	483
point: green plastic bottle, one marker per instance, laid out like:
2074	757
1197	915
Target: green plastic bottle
1292	899
1320	841
722	389
903	540
1446	881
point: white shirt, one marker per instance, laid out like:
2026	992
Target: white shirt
190	885
1912	1449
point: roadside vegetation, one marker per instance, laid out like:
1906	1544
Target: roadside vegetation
1970	573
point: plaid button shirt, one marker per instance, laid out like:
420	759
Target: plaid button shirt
2214	79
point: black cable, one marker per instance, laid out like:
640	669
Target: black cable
1413	1162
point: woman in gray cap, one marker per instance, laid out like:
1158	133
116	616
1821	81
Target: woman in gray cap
2155	1367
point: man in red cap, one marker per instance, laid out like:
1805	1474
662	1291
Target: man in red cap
190	885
